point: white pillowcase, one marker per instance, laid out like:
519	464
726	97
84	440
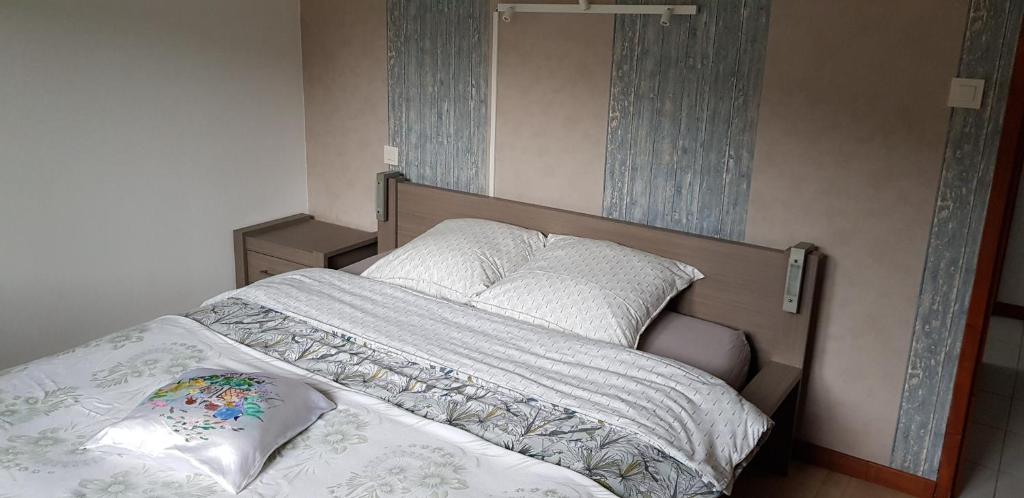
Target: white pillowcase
594	288
458	258
221	423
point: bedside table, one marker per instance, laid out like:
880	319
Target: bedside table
297	242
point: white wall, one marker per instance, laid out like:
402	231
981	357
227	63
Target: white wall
134	135
1011	286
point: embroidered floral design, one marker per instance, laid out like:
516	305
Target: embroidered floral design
411	470
118	340
46	451
113	342
535	493
119	485
200	404
333	434
146	483
17	409
168	360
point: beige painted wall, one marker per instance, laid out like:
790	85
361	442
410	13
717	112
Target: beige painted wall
849	150
552	110
344	63
1011	286
134	136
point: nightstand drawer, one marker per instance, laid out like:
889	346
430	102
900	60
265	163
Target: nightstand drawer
262	266
284	252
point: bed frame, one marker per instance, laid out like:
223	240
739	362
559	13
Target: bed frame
744	285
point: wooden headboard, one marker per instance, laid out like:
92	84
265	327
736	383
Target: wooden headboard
743	287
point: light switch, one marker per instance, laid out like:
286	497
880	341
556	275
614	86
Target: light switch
391	155
966	93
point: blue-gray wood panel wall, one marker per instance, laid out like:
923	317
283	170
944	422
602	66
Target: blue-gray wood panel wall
973	140
682	117
438	83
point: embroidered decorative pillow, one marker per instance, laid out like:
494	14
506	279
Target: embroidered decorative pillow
594	288
222	423
458	258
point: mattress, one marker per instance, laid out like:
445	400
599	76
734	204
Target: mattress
434	399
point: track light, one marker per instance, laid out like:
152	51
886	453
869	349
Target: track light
666	18
585	4
506	15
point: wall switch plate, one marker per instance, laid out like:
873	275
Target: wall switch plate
391	155
966	93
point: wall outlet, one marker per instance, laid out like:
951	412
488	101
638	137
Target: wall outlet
391	155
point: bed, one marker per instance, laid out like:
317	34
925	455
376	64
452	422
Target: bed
436	398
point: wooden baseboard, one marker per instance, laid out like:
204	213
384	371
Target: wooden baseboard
864	470
1008	310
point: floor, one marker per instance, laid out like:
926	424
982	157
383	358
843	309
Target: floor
994	452
994	446
807	481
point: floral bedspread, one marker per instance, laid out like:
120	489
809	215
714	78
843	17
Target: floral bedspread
364	448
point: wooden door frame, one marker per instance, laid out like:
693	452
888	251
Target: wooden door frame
994	238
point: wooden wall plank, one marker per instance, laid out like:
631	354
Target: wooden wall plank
687	160
683	110
722	76
671	102
645	121
972	144
438	84
620	113
747	95
396	13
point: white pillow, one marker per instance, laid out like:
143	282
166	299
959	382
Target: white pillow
458	258
221	423
594	288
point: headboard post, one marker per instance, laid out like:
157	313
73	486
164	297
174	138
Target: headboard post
387	209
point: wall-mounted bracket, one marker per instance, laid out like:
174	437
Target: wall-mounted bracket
584	7
382	192
795	276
